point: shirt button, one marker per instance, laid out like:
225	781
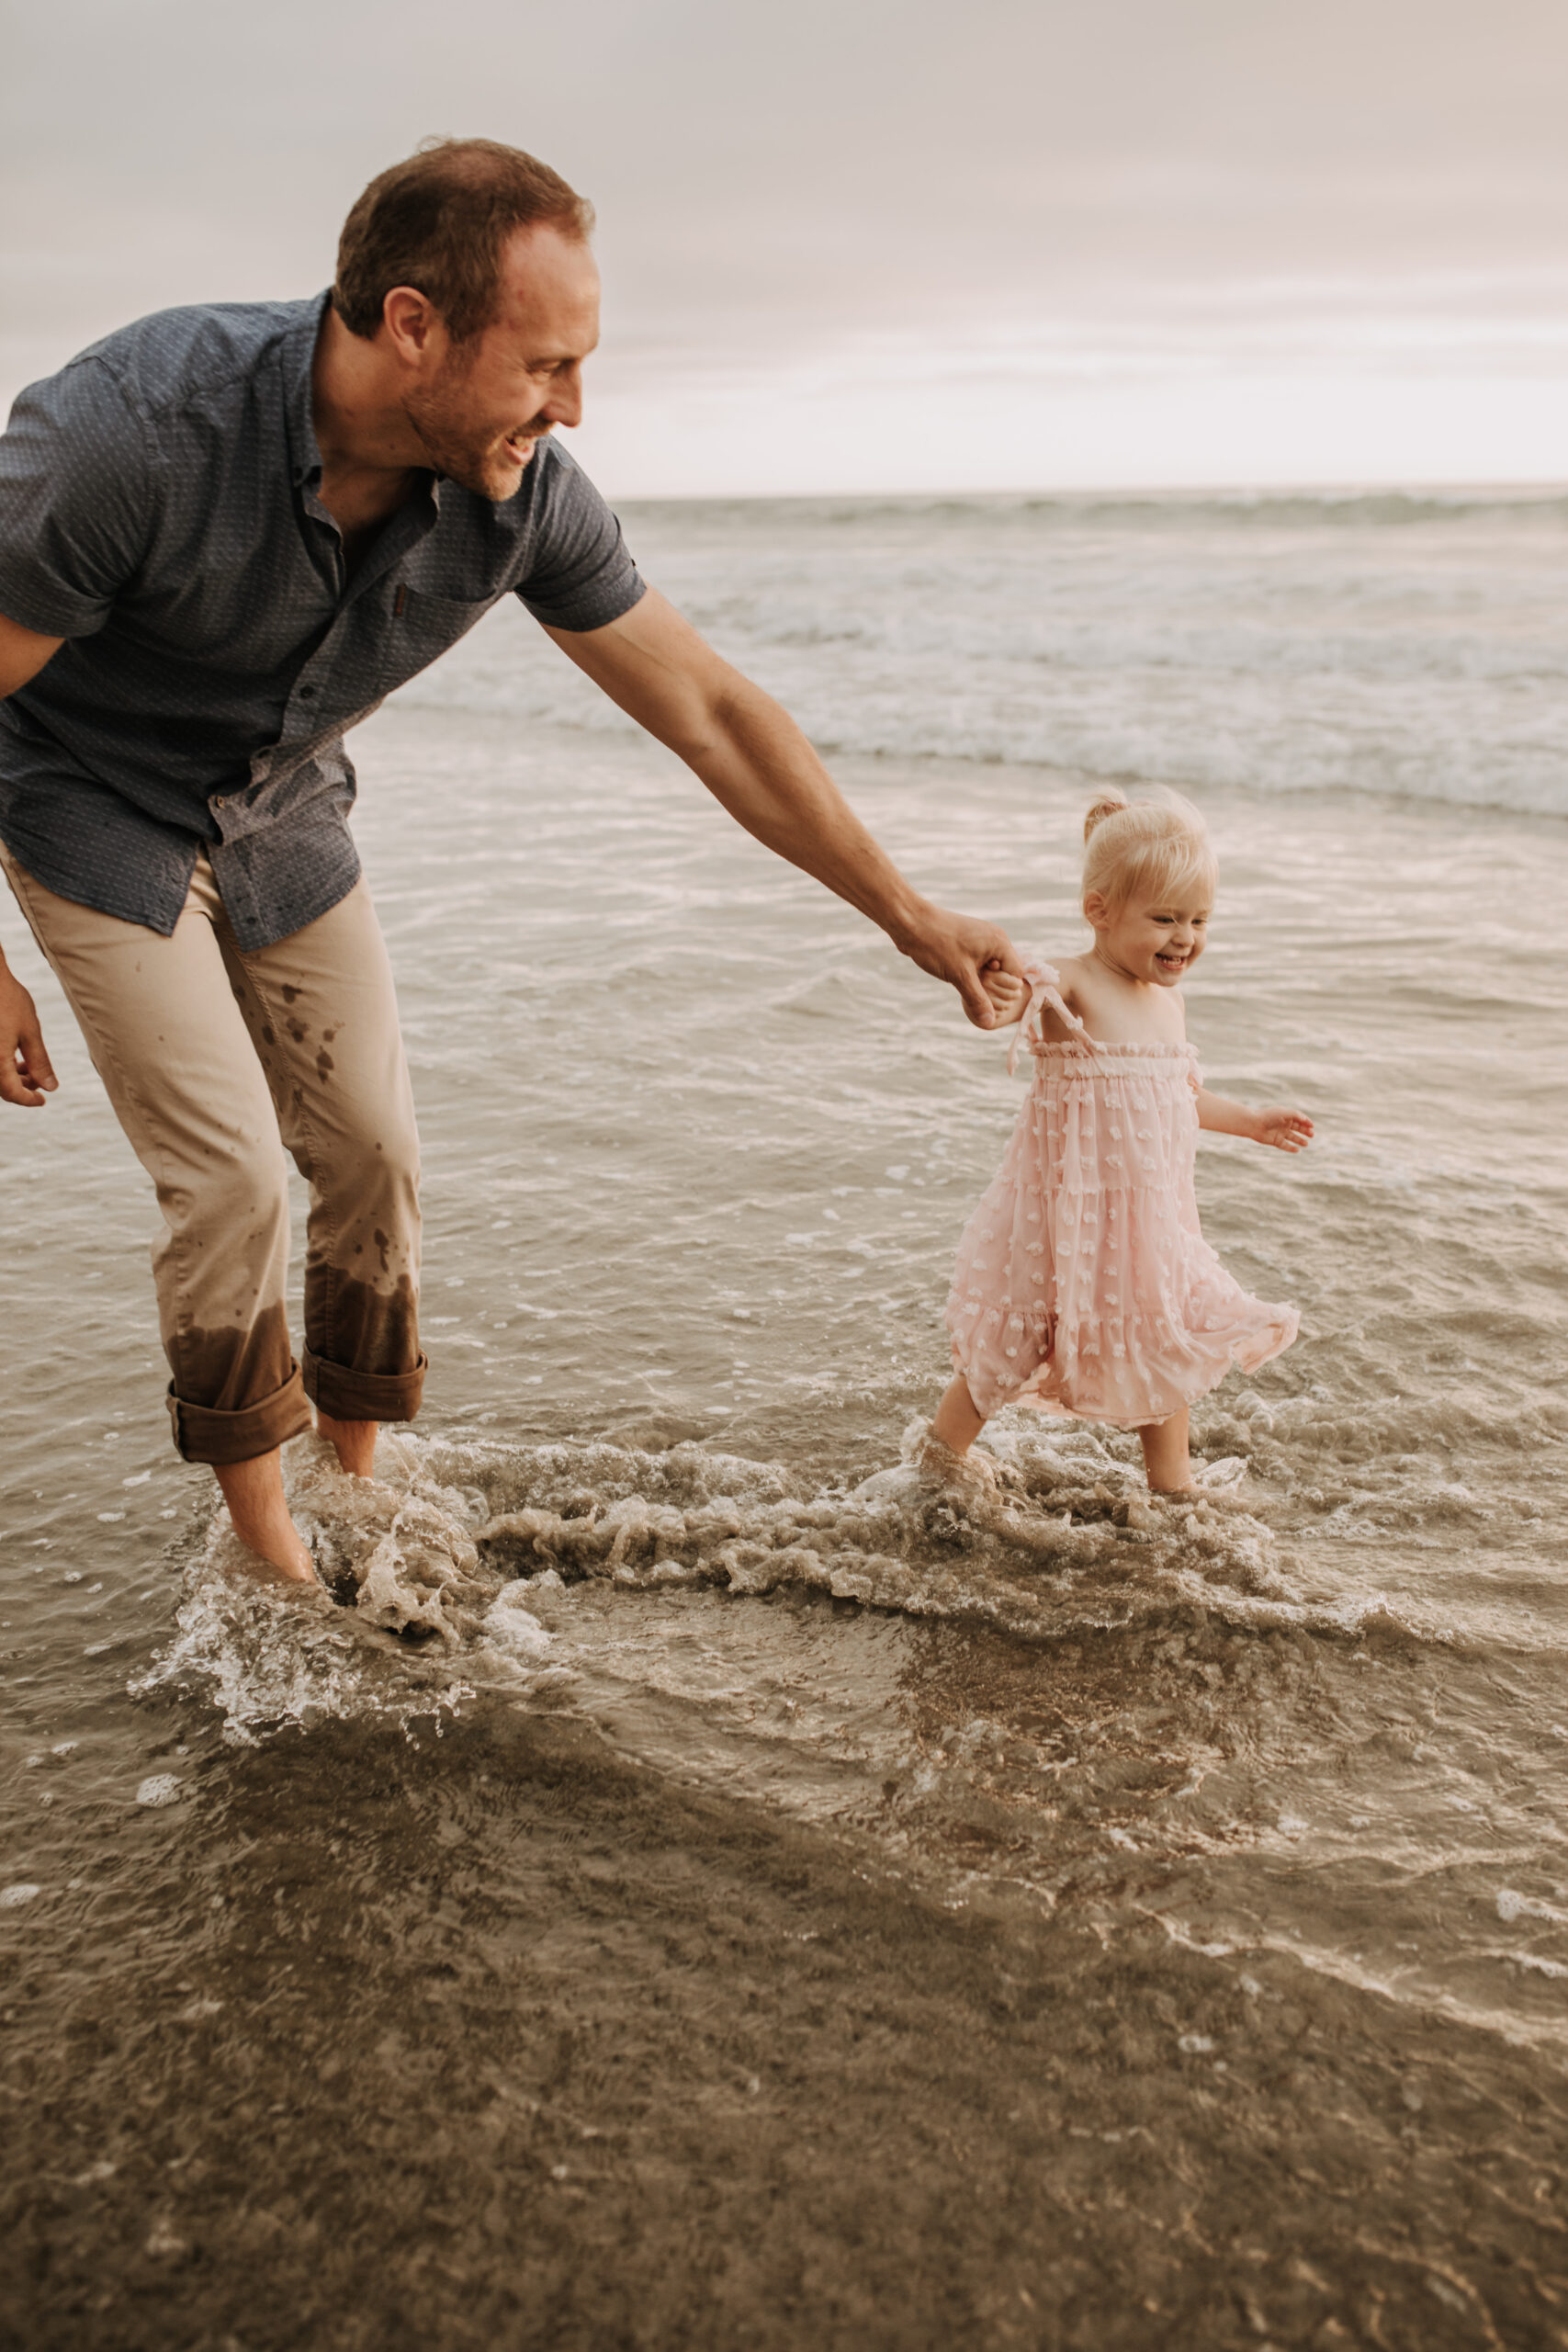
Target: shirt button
306	693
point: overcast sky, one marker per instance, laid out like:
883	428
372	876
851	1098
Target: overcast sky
879	245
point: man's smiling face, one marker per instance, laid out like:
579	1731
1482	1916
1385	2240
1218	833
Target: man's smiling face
483	406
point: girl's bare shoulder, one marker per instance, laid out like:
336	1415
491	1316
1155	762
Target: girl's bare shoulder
1075	979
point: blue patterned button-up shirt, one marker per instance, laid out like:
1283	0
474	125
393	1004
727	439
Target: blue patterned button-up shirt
159	510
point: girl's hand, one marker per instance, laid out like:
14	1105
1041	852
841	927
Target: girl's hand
1285	1130
1007	993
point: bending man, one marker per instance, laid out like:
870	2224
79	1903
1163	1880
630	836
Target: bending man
226	533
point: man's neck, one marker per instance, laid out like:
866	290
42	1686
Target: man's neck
371	457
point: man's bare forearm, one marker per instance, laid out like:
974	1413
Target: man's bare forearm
758	764
759	767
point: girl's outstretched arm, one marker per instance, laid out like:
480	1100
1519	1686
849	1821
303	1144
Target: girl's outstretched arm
1285	1130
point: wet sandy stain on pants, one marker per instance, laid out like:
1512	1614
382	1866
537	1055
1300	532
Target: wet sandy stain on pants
373	1329
227	1369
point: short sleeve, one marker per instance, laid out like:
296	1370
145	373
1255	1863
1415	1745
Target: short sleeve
76	498
580	574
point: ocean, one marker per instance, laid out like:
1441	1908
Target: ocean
695	1898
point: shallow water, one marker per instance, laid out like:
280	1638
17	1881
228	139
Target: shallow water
679	1895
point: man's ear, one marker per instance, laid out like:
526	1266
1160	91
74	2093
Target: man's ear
412	323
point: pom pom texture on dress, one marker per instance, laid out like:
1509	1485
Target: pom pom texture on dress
1084	1284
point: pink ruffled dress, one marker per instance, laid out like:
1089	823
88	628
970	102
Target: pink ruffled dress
1084	1284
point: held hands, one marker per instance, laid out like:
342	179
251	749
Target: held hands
26	1072
1285	1130
1009	995
969	954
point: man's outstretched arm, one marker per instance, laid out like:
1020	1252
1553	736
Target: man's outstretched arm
755	761
26	1075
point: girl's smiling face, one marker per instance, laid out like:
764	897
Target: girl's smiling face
1154	940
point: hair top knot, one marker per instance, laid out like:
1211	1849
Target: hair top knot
1152	847
1110	799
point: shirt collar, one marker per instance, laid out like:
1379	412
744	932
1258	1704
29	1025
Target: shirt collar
298	356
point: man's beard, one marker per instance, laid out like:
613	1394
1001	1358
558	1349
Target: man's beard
439	417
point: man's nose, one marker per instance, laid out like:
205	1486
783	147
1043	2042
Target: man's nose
564	405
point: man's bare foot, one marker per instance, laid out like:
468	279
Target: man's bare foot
354	1441
253	1492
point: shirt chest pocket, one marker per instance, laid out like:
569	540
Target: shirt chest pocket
420	627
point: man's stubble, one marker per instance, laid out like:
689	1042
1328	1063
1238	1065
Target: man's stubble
441	416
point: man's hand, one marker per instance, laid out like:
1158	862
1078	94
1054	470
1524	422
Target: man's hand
26	1072
757	763
969	954
25	1075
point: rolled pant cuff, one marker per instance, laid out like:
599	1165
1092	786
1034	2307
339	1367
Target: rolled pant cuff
363	1396
204	1434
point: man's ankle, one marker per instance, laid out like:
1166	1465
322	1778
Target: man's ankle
253	1493
354	1441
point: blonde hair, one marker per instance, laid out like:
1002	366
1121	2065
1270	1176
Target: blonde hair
1144	848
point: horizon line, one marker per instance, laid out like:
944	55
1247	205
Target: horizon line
1520	487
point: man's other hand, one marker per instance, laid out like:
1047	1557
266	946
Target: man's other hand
962	950
26	1074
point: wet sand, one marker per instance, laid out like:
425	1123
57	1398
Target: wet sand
495	2044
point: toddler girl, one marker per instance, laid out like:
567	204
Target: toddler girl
1084	1285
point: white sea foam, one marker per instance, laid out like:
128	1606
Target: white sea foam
444	1568
160	1789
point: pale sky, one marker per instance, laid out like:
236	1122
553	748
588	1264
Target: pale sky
879	245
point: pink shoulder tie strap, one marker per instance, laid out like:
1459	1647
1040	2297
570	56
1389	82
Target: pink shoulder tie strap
1044	987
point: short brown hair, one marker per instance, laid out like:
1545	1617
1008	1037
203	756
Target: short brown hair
438	222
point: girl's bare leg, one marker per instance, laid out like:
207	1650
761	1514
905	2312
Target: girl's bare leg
956	1423
1166	1462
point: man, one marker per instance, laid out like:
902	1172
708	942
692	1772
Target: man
225	535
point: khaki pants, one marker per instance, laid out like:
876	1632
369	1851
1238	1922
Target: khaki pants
215	1061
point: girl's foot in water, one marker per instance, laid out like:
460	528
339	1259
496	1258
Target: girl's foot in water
956	1424
1167	1462
939	1451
